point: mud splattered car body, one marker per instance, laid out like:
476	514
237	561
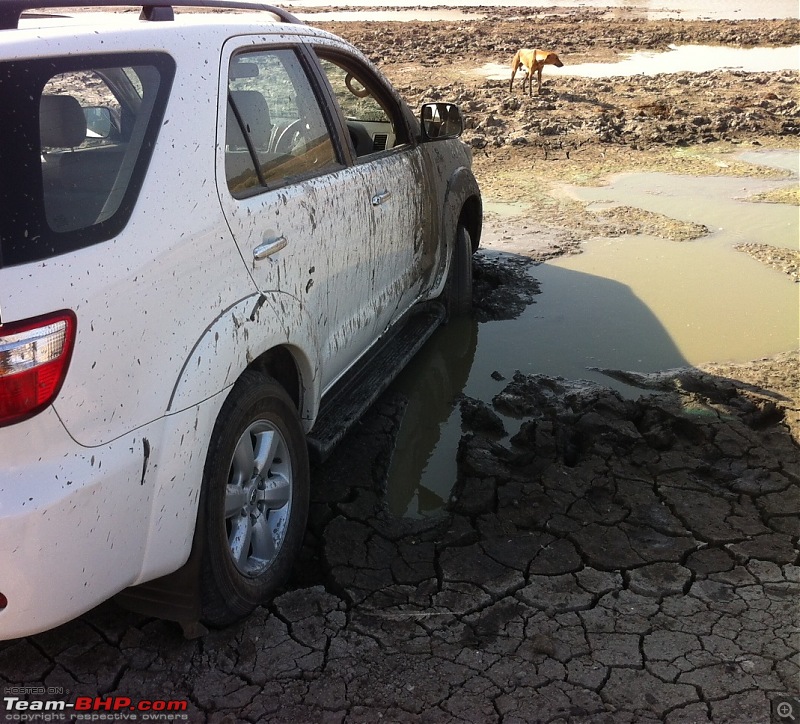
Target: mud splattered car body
213	225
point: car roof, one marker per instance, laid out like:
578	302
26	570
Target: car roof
11	11
208	22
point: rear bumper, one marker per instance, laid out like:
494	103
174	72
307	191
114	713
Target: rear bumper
75	522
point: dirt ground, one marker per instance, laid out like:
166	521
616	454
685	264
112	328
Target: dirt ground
581	130
616	560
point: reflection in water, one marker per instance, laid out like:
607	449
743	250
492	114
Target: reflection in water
638	304
692	58
579	320
431	427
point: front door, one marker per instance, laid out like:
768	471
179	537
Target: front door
391	171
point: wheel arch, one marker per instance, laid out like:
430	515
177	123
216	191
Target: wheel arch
280	364
269	333
471	217
462	205
166	587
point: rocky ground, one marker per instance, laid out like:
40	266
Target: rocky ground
616	560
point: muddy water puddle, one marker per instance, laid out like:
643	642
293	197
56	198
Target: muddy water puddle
635	303
678	59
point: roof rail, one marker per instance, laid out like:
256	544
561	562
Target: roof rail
10	10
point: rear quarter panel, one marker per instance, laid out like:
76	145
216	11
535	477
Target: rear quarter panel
143	298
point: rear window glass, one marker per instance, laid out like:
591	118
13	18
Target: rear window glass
276	129
75	141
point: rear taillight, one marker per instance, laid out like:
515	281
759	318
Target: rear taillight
34	356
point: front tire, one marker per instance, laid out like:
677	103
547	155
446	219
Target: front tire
255	499
458	292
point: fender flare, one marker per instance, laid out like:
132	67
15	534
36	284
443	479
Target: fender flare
240	334
462	187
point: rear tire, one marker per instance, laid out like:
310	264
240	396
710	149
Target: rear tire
254	499
458	291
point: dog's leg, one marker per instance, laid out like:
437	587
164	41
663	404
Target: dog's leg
514	68
539	78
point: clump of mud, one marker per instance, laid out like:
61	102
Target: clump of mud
699	430
784	260
501	286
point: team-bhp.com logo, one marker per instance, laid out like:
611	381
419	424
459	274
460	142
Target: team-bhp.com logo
34	704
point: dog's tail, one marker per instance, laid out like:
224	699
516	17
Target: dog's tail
514	68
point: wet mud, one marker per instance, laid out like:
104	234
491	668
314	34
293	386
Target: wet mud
615	560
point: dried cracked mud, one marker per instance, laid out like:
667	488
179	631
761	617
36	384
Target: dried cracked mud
615	560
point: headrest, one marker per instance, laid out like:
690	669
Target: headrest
61	122
254	111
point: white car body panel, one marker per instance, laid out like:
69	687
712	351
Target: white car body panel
236	338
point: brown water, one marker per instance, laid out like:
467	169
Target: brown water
714	302
679	59
634	303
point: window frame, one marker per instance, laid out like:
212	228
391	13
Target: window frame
352	63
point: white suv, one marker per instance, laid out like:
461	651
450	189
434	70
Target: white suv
221	235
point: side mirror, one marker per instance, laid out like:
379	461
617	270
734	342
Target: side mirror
98	121
441	120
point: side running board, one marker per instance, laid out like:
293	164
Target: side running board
344	406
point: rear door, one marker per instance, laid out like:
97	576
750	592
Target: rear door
298	211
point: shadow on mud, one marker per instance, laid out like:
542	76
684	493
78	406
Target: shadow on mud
482	445
450	387
552	483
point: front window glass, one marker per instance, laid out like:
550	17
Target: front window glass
374	123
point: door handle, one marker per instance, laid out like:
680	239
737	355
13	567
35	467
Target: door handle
269	247
378	199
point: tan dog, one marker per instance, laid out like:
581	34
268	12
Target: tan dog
532	60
